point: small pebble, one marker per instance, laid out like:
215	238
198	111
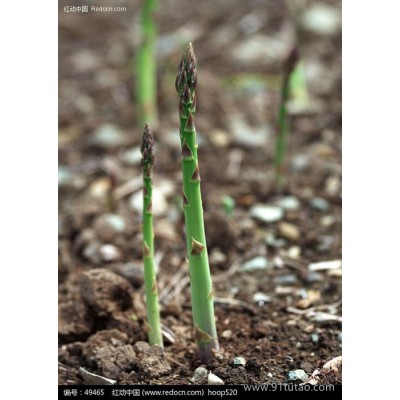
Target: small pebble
220	138
132	156
294	252
339	337
217	257
199	374
314	277
247	136
319	203
278	262
91	252
332	185
300	162
247	224
259	49
315	338
325	242
323	150
265	213
284	291
132	272
272	241
227	334
260	297
256	263
336	273
321	19
269	375
289	203
108	225
64	175
115	221
297	374
308	329
109	136
110	252
325	265
288	231
100	188
327	221
287	279
239	362
214	379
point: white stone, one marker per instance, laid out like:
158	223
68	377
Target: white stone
297	374
254	264
110	252
214	379
239	362
266	213
325	265
199	374
288	203
322	19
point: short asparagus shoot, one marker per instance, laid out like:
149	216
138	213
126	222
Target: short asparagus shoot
200	278
283	125
152	305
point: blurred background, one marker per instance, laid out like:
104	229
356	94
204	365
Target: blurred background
271	252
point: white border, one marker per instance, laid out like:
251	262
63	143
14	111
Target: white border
371	195
28	199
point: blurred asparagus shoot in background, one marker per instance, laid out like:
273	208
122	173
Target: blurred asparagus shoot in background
146	68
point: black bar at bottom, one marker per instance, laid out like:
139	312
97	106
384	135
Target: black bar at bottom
274	391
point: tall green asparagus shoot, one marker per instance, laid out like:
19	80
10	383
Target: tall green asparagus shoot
153	310
200	278
146	72
283	124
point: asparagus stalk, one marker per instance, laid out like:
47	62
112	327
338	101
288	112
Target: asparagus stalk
283	125
146	66
298	86
200	278
152	306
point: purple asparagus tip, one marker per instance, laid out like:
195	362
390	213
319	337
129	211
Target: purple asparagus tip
292	60
147	147
187	72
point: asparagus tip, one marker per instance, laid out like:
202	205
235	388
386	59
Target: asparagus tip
292	60
187	75
147	147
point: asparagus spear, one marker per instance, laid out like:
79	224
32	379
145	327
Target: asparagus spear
152	306
200	278
146	72
283	126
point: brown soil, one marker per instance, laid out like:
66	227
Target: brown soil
101	294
